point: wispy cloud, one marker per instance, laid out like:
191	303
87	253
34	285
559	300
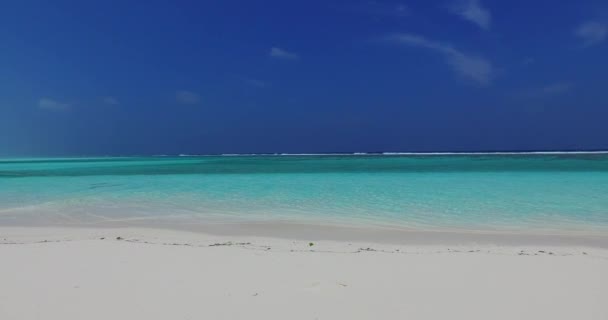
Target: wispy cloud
255	82
279	53
110	101
555	88
471	67
528	61
592	32
376	8
547	91
187	97
472	11
50	104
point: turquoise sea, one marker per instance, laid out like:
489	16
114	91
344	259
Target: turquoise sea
558	192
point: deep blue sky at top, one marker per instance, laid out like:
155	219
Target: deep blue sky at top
168	77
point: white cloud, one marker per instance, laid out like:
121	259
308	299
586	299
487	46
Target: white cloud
556	88
401	9
375	8
547	91
187	97
469	66
528	61
110	101
592	32
50	104
277	52
256	82
472	11
474	68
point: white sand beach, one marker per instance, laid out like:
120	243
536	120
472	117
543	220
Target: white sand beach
137	273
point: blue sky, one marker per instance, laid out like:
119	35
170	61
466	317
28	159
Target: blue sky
169	77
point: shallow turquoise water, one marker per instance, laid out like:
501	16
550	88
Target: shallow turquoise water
501	192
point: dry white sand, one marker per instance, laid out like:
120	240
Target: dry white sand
65	274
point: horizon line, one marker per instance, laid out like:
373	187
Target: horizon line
386	153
